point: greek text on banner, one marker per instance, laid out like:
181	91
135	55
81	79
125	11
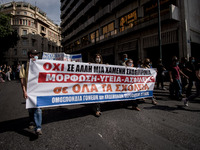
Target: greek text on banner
54	83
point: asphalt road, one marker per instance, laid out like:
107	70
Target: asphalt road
168	125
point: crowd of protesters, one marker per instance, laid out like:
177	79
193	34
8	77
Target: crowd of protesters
182	76
8	73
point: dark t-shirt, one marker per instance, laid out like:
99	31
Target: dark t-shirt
160	68
191	75
197	68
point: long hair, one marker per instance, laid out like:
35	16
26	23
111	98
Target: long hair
100	57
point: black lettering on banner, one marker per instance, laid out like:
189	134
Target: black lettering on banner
83	68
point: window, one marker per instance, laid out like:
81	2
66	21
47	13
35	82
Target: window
24	52
108	28
25	13
93	36
84	40
33	42
128	21
15	51
43	28
24	42
24	32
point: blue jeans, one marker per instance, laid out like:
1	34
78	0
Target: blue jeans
177	87
35	115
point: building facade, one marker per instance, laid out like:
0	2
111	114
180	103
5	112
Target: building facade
130	26
36	31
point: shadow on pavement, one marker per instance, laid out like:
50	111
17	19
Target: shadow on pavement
168	108
49	115
19	126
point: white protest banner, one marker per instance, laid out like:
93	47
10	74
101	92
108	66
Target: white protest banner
62	56
53	56
56	83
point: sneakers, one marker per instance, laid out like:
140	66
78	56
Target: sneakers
31	125
135	108
154	102
185	102
38	132
98	114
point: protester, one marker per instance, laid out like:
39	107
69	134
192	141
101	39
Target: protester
134	103
124	59
191	73
175	79
4	72
160	74
14	69
1	74
147	64
8	73
139	63
18	70
97	107
35	114
184	69
197	83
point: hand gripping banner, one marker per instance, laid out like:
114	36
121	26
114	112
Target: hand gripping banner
55	83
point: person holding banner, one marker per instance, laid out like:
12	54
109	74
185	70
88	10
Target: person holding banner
35	114
147	64
124	59
97	108
134	103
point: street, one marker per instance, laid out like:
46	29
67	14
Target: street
169	125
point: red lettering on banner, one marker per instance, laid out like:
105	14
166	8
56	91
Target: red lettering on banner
57	90
56	67
106	88
47	66
131	88
88	78
53	67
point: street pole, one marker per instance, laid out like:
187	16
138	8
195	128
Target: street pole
159	30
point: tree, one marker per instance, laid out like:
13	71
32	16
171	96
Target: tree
8	36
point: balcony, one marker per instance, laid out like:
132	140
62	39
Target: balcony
24	36
116	3
63	4
101	13
68	6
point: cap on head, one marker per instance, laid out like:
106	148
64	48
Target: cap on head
33	51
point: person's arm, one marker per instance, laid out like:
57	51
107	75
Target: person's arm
198	74
170	76
183	74
22	75
23	85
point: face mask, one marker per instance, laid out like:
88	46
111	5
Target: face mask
98	60
125	59
177	63
130	64
193	61
36	57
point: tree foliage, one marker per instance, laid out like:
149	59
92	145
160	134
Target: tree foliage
8	36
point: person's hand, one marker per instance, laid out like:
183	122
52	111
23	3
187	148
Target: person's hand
25	95
171	80
33	59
